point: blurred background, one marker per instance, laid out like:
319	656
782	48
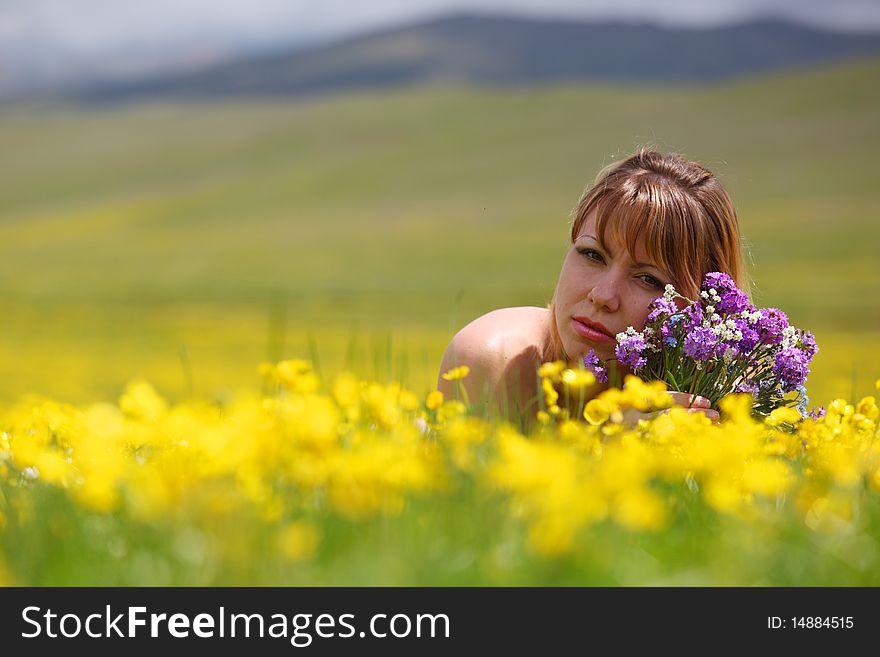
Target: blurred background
188	188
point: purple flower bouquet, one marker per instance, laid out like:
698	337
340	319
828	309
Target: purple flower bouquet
717	345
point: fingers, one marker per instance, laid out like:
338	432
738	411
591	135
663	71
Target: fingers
690	401
632	416
695	404
708	412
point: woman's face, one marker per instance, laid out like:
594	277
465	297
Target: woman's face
602	291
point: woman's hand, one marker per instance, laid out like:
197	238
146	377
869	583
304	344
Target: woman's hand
693	404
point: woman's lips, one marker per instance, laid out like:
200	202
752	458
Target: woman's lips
589	332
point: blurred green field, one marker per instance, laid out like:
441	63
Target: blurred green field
186	243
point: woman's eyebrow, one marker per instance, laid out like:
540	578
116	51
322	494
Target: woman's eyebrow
648	264
636	265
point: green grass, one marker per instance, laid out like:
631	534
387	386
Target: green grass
134	234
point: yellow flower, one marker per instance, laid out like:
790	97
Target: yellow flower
639	509
463	435
767	477
578	378
551	370
723	495
434	400
784	415
550	394
296	375
736	409
298	540
450	409
597	411
383	403
141	401
457	373
867	406
346	390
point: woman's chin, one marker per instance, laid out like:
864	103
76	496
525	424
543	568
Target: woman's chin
579	350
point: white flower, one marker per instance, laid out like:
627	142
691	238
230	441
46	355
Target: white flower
704	294
789	337
751	318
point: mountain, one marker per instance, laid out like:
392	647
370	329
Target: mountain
487	50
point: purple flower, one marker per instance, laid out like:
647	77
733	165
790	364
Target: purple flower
808	343
732	301
630	351
730	352
750	337
593	364
749	387
817	413
692	316
659	307
791	366
700	344
738	335
728	298
771	325
720	282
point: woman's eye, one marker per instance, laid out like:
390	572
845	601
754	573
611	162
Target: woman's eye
651	281
591	254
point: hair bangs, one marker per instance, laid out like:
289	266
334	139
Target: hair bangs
649	210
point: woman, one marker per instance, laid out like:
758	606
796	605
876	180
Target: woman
648	221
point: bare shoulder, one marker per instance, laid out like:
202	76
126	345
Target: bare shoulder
499	345
505	332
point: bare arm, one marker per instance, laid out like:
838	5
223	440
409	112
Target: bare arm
502	370
485	372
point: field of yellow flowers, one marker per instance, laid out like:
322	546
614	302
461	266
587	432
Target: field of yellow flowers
355	482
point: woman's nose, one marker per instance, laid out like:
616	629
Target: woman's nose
604	294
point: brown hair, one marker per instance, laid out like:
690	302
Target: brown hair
680	208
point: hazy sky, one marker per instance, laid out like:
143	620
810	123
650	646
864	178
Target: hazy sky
100	24
57	38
